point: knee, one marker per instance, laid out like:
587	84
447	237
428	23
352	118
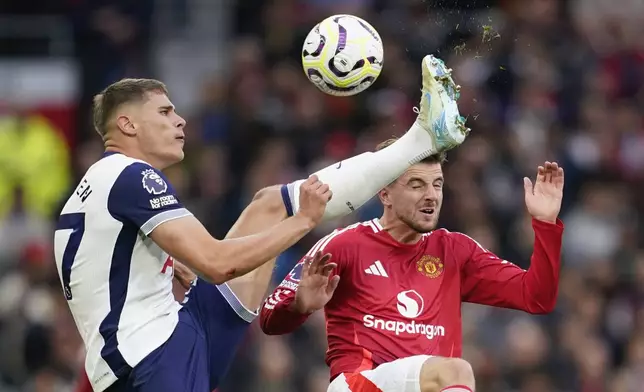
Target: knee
270	199
438	373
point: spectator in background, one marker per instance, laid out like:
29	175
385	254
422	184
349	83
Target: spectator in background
34	172
112	41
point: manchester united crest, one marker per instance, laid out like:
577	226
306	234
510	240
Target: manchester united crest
430	266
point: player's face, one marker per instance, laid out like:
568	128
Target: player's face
416	197
160	130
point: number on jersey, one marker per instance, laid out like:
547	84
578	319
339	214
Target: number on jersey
76	223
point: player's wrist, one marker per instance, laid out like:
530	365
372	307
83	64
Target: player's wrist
298	306
306	222
293	307
546	219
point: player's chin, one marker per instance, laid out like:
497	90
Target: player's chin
178	151
175	156
425	225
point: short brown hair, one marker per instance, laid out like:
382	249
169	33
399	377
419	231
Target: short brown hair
439	158
119	93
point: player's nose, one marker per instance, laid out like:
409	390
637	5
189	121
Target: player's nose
181	122
431	194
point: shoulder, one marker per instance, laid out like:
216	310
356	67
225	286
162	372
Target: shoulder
347	237
457	240
134	176
112	174
441	235
136	183
116	166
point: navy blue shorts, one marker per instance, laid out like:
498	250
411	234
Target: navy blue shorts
211	326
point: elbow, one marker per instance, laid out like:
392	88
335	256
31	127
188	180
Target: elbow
542	307
269	331
217	263
218	275
265	325
216	272
217	279
541	310
271	323
541	299
550	307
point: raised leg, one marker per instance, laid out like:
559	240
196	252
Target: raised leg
354	181
266	210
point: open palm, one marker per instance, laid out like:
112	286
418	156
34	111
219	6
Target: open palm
316	285
543	199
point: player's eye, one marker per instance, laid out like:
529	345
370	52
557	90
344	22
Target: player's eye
165	112
417	185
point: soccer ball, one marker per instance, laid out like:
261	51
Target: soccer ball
342	55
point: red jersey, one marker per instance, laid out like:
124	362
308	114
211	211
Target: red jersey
396	300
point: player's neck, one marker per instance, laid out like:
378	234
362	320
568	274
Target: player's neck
110	146
399	231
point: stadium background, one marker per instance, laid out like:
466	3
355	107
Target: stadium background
542	79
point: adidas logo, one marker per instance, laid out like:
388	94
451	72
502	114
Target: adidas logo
376	269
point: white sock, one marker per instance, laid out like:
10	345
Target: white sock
356	180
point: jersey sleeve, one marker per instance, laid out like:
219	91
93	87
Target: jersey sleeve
490	280
141	195
276	316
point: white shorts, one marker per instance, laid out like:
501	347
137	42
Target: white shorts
401	375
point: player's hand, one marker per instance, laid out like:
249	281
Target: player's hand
543	199
183	275
314	195
316	285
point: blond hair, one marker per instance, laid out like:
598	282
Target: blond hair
116	94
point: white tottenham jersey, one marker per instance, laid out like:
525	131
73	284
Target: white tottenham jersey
117	281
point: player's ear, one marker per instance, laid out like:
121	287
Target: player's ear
384	197
126	125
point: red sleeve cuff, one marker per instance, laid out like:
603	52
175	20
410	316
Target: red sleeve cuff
558	226
294	317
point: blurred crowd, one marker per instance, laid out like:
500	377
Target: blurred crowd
541	80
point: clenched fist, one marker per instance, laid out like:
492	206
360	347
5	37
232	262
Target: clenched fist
314	195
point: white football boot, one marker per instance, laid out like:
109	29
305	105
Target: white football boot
438	112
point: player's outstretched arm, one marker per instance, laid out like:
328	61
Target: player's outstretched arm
187	240
142	199
306	289
490	280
